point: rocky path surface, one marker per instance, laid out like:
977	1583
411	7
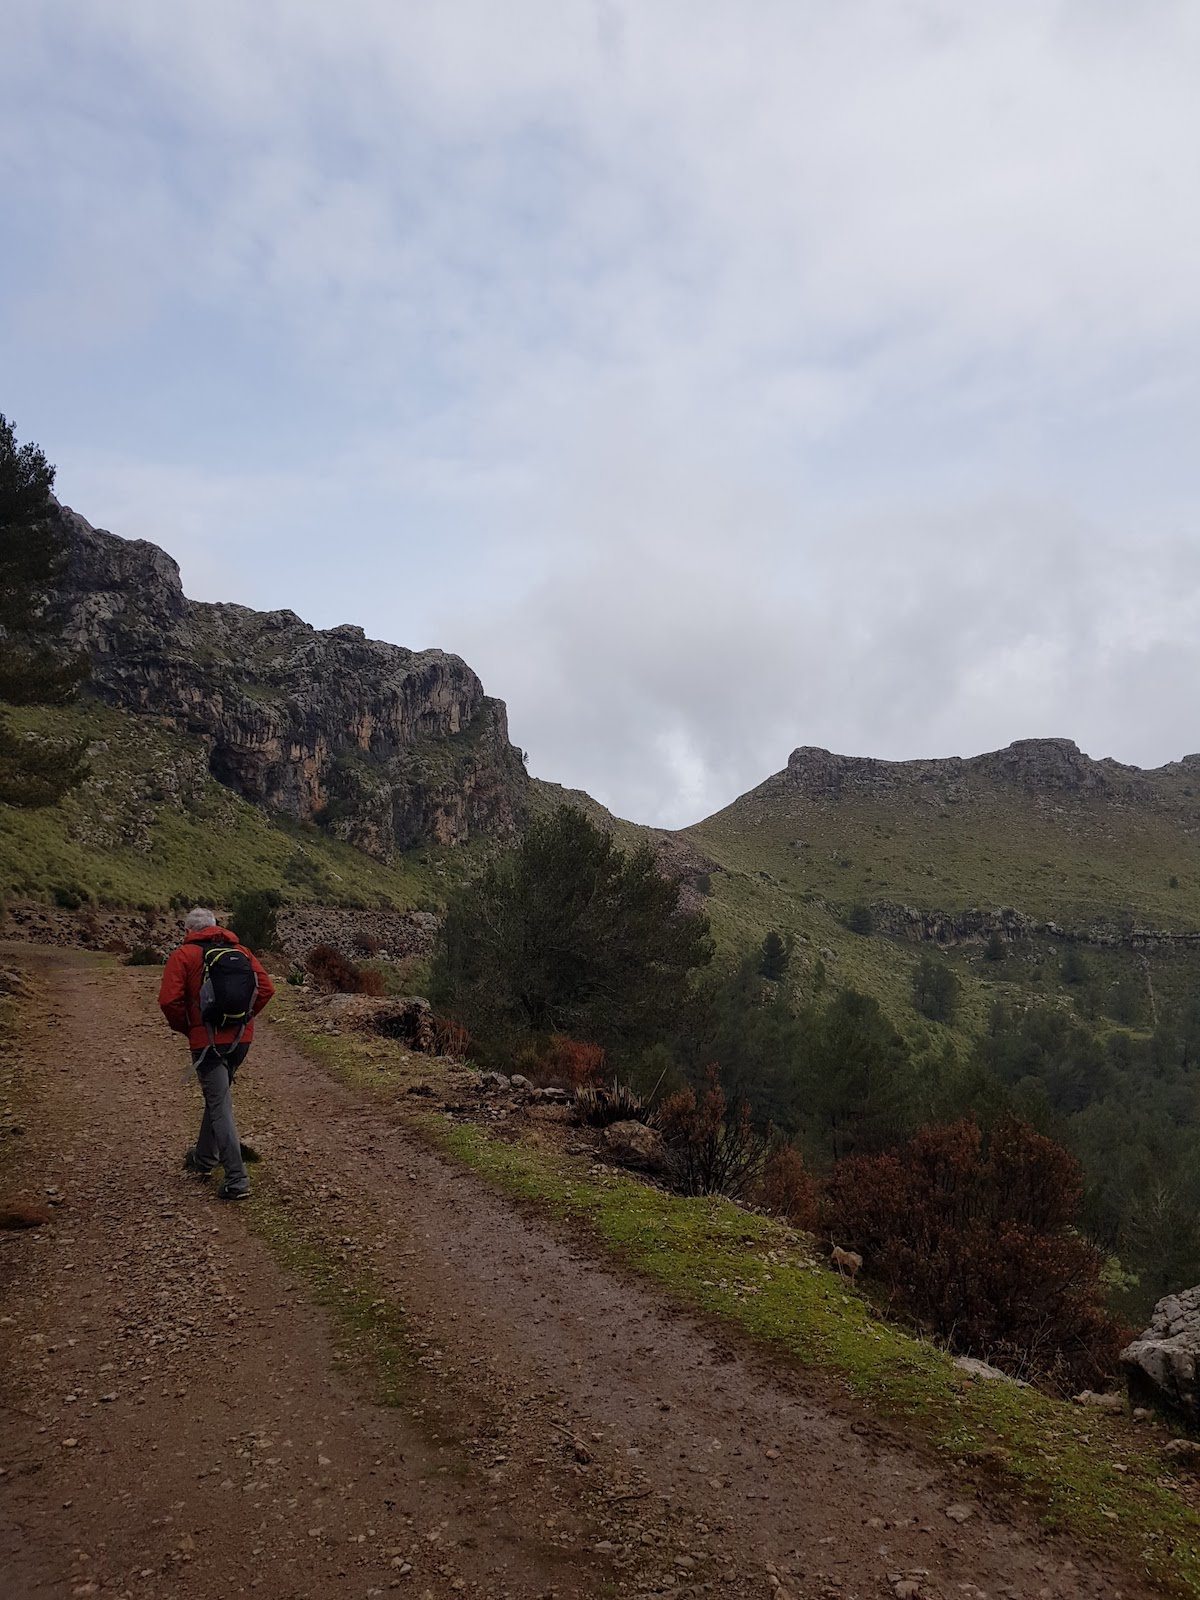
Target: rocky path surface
183	1416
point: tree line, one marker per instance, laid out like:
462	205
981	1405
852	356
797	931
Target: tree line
568	935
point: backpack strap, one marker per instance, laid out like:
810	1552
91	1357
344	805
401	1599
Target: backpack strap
220	1050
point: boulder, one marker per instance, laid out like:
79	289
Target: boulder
1162	1367
1113	1403
984	1372
633	1144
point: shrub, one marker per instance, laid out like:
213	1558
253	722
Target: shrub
786	1189
712	1147
1074	967
253	917
974	1239
370	982
143	956
450	1038
995	949
599	1106
860	919
366	944
572	1062
69	897
329	969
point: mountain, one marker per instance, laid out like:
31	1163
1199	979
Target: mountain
386	747
1038	826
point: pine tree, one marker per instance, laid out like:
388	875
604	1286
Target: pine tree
569	934
935	990
773	962
995	949
33	772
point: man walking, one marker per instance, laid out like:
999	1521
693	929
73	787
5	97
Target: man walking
212	990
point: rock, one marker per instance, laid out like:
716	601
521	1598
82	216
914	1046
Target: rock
1162	1367
520	1083
960	1513
15	1216
1101	1402
633	1144
1183	1453
985	1372
394	747
493	1082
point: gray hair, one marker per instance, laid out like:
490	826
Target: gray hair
199	917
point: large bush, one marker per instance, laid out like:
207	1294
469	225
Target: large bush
254	918
785	1188
568	934
329	969
712	1146
974	1238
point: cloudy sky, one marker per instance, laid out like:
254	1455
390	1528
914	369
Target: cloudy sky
714	378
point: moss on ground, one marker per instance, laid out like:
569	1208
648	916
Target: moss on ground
369	1330
1096	1477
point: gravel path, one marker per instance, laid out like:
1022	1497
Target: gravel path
180	1417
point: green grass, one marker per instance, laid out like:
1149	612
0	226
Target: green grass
150	824
757	1276
1074	859
369	1330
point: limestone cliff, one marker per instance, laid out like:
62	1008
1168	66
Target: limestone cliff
387	747
1046	767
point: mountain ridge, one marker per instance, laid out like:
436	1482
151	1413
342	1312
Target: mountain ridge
389	747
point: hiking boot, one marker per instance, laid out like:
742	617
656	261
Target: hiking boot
226	1193
191	1164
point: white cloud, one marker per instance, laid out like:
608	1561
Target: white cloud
714	378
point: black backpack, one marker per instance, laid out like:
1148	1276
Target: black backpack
228	989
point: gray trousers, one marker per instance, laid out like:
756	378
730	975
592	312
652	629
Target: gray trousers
219	1143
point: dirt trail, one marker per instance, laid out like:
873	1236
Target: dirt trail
178	1419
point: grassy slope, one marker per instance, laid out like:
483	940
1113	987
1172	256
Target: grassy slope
1097	1477
1074	859
150	824
788	861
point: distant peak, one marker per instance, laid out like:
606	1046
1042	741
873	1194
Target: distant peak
1032	763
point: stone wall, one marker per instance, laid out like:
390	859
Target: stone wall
389	935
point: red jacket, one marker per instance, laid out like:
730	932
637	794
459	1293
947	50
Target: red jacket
179	993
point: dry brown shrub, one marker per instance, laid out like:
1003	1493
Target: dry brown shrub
329	969
449	1038
712	1146
974	1237
786	1188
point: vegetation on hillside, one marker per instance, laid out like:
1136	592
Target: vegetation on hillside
735	1058
149	826
33	668
568	934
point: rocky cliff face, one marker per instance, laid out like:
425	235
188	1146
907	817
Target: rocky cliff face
1050	767
388	747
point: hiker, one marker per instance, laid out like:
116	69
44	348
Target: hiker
212	989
